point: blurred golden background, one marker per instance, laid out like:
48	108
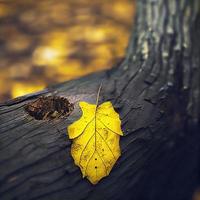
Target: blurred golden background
46	42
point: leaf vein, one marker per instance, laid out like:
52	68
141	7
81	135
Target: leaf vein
106	115
106	144
108	128
89	161
85	147
102	162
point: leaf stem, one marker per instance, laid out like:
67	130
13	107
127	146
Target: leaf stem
97	101
98	94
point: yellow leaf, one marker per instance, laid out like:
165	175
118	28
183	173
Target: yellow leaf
96	135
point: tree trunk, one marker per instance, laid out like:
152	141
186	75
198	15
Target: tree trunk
155	89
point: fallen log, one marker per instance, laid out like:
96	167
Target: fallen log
155	89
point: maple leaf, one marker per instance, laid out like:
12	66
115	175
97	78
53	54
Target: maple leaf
95	147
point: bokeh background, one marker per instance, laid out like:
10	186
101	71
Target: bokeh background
43	42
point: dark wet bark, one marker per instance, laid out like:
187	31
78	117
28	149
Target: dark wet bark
156	91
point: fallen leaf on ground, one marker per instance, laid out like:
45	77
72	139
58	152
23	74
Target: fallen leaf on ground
96	135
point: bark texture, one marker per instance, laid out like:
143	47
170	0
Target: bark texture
156	90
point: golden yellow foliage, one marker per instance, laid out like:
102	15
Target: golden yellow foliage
96	135
49	42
